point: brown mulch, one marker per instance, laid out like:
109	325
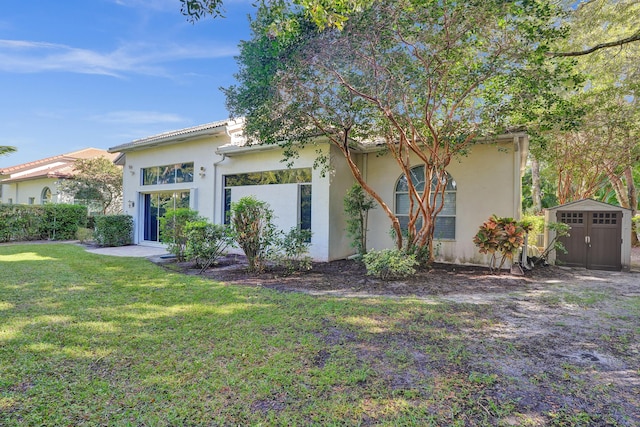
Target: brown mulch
348	277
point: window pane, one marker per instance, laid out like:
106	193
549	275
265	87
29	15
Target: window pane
285	176
402	203
449	203
445	228
184	172
227	205
305	207
182	200
402	184
167	174
150	176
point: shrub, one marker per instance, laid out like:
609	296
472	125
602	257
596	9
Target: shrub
84	234
537	226
54	221
390	263
206	242
561	230
504	235
62	221
172	230
113	230
357	205
21	222
253	229
292	250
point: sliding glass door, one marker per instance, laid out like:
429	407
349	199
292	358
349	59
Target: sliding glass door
155	206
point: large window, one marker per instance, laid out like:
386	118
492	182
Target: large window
446	219
301	176
285	176
168	174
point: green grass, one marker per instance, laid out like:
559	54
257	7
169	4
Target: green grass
94	340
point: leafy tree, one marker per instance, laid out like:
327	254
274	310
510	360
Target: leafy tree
423	80
99	180
598	147
322	12
5	149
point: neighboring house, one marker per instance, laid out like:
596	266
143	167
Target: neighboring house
210	166
37	182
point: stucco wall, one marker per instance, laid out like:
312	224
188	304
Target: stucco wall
488	182
20	192
341	181
282	198
199	151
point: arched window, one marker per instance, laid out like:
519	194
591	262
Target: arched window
446	219
45	196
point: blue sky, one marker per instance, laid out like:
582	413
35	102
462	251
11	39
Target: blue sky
99	73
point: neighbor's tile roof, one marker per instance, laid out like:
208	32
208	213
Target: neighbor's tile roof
60	166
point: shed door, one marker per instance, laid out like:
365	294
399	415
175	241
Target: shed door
595	240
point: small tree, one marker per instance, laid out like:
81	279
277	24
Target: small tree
172	230
357	205
561	230
96	180
254	231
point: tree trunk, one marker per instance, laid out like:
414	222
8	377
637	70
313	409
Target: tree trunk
633	202
536	192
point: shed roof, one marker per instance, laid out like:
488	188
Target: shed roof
587	205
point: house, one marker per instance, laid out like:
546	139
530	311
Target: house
208	167
599	235
37	182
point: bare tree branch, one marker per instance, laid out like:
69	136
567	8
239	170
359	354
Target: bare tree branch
633	38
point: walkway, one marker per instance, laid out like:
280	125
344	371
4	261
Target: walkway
137	251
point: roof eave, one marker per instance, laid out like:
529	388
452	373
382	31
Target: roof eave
172	137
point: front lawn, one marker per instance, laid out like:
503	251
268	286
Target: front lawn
96	340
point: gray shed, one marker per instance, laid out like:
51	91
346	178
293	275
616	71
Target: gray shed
600	235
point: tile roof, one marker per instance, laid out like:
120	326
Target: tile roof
176	135
60	166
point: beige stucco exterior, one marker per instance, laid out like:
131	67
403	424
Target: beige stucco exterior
25	183
24	192
488	182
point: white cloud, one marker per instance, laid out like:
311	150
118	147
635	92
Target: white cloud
139	117
23	56
150	4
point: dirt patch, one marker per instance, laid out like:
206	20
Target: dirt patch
560	341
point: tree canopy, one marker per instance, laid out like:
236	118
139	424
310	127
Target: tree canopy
97	180
423	80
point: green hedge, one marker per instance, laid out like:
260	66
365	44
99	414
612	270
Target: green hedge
62	221
113	230
55	222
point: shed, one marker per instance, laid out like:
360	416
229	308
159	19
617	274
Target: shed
600	235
